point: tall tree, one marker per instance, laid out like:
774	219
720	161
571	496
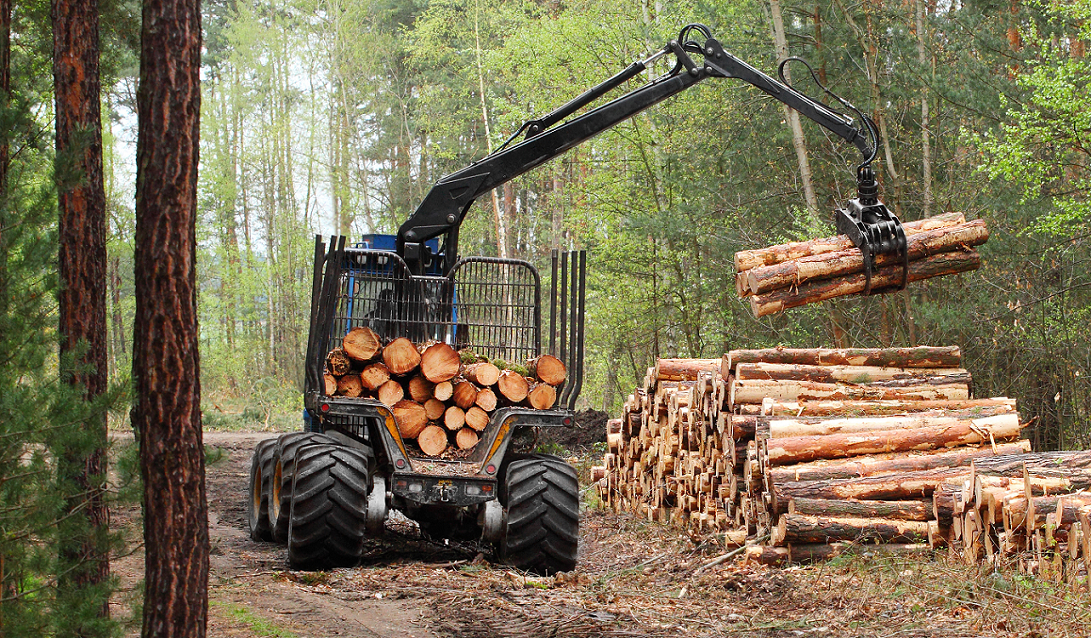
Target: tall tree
82	260
166	412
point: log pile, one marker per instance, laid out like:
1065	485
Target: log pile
817	450
789	275
442	399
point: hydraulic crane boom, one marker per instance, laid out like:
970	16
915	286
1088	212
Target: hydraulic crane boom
865	219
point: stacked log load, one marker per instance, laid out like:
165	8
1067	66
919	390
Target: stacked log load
441	398
807	451
789	275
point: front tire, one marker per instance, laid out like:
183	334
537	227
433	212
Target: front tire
542	498
261	468
280	486
328	507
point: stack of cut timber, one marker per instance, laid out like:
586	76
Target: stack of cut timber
440	398
789	275
819	449
1033	509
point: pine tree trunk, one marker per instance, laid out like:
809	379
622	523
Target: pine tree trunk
82	261
166	365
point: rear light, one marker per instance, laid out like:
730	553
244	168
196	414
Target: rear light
400	463
490	468
486	489
567	420
325	407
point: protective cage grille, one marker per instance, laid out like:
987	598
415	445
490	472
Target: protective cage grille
492	306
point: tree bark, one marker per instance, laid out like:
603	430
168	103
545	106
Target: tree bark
919	357
848	262
756	391
770	255
907	510
812	448
803	409
683	369
799	143
782	428
891	463
800	528
167	408
886	487
849	374
943	264
82	300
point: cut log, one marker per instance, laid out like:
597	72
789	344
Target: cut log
401	356
804	553
781	428
330	384
851	261
420	389
350	386
755	391
747	259
766	555
940	265
454	418
435	409
482	374
548	369
910	510
486	399
1016	510
439	362
918	357
410	417
891	463
542	396
373	376
856	375
683	369
390	393
888	487
432	440
812	448
802	528
362	344
467	438
477	418
465	394
444	390
512	386
985	407
338	363
1040	464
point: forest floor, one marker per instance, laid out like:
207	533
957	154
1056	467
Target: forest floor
634	579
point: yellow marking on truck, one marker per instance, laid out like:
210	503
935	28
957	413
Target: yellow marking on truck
501	434
392	427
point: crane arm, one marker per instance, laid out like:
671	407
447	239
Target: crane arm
444	207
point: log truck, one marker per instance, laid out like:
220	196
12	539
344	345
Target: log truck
327	489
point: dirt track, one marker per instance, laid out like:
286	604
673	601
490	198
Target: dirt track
634	579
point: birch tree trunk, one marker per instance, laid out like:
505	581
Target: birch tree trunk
798	141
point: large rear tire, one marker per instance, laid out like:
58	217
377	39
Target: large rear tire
280	487
261	469
542	532
329	507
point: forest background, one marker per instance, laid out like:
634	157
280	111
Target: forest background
336	116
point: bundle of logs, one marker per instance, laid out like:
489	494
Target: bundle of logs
802	453
440	397
790	275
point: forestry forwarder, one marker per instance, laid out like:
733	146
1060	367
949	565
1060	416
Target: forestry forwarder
323	491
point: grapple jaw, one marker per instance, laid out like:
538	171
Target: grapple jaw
875	230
